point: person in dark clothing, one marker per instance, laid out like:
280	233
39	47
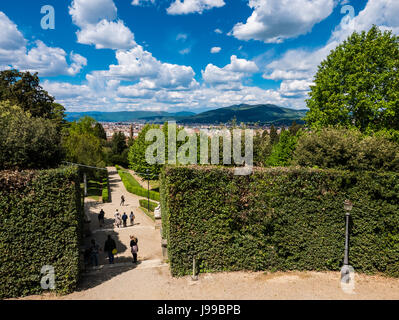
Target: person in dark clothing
101	218
134	247
122	200
109	247
124	219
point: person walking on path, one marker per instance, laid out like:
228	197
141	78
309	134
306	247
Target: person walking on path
132	218
101	218
124	219
118	219
122	201
109	247
94	251
134	247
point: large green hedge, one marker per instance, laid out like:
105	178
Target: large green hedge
279	219
134	187
40	224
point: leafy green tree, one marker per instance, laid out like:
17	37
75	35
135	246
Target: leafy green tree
358	84
137	159
118	143
27	142
82	145
262	148
346	150
273	135
23	89
283	151
99	131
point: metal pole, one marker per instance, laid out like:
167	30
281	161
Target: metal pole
194	276
148	195
346	256
109	189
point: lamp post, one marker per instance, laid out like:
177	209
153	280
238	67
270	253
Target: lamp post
148	194
346	267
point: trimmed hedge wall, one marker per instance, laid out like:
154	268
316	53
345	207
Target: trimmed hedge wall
144	204
40	224
131	185
104	194
279	219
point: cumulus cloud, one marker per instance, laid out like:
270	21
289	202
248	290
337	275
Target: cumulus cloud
193	6
138	64
107	34
96	20
47	61
235	71
296	68
216	50
273	21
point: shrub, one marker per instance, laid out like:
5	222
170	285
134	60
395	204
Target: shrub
347	150
105	195
134	187
279	219
40	224
144	204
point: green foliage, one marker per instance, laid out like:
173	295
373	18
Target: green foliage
137	159
27	142
134	187
23	89
40	224
144	204
273	135
262	148
99	131
279	219
82	145
148	213
282	152
105	194
347	149
357	85
118	143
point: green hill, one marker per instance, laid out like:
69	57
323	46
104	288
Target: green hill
264	114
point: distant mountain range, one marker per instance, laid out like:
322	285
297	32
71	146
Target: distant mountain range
264	114
128	116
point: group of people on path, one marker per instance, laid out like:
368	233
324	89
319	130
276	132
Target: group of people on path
93	251
110	248
122	219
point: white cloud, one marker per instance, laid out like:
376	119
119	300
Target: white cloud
185	51
139	65
273	21
107	34
216	50
218	31
235	71
142	2
96	19
47	61
85	12
193	6
297	67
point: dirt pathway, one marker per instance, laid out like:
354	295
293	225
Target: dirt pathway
143	229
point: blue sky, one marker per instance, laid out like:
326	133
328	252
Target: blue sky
175	55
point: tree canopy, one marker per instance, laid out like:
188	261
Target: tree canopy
27	142
358	84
